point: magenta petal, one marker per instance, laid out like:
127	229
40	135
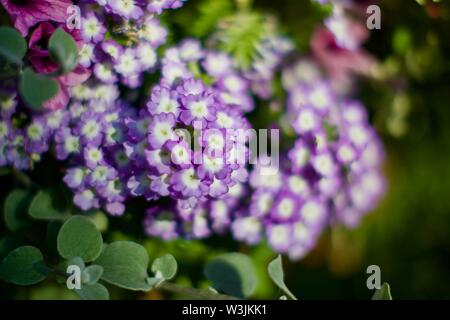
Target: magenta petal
60	100
30	12
79	75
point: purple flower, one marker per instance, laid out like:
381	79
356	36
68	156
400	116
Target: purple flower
198	107
247	229
285	207
115	208
160	223
37	137
186	183
93	156
85	199
128	9
66	143
161	130
163	100
92	28
112	49
27	13
279	236
127	64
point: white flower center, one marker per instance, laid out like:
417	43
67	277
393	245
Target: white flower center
199	109
286	208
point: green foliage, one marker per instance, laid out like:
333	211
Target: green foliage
48	205
209	14
9	243
240	36
94	291
233	274
36	89
275	269
15	209
76	261
384	293
12	46
92	274
78	237
63	50
165	267
125	264
23	266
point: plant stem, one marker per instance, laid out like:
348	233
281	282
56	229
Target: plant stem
194	293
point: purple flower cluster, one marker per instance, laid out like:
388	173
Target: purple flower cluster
189	60
23	138
205	181
122	51
182	145
331	175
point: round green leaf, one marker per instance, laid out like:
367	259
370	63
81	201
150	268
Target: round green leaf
165	267
8	244
233	274
15	209
125	264
48	205
23	266
79	237
76	261
276	273
35	89
92	274
12	45
63	50
94	291
384	293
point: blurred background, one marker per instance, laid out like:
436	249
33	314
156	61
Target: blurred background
408	236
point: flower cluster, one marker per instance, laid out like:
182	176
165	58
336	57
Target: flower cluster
183	145
129	50
217	68
123	50
206	180
332	173
338	44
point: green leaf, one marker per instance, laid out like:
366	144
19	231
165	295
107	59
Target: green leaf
384	293
92	274
8	244
35	89
12	45
94	291
78	237
276	273
125	264
48	205
23	266
76	261
63	50
240	35
15	209
165	267
233	274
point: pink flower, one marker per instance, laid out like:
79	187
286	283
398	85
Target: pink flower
39	58
342	63
27	13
